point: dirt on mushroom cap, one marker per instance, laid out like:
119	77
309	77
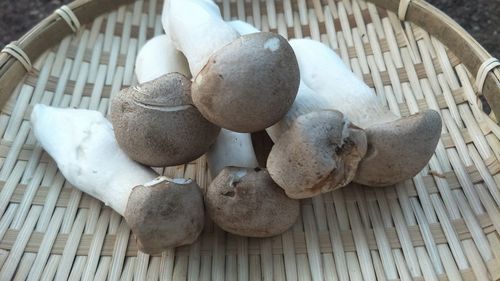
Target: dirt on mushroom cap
155	123
249	84
247	202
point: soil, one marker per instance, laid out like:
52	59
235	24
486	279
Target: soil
481	18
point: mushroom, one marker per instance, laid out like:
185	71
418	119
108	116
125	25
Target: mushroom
242	198
398	148
156	124
243	84
316	149
319	152
158	57
161	212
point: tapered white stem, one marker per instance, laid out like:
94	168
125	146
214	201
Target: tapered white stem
83	145
158	57
324	72
231	149
197	30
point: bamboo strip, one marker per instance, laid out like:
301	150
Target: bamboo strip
102	269
360	242
355	273
426	265
24	266
449	231
449	264
205	271
478	237
474	257
403	235
430	245
387	259
141	266
377	265
46	245
10	185
68	255
278	268
50	268
10	265
127	273
7	218
77	268
24	207
154	269
96	246
119	251
312	243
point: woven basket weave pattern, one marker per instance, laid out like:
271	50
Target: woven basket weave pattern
443	224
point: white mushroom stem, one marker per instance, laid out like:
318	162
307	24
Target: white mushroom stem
324	72
157	57
197	29
83	145
243	28
231	149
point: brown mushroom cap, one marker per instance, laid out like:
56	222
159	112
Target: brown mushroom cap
249	84
155	123
247	202
164	214
398	150
318	153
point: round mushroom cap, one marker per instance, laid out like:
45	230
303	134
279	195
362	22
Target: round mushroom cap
156	124
320	152
249	84
247	202
165	213
398	150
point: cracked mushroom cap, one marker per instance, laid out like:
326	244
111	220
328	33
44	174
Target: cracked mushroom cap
247	202
399	149
165	213
249	84
318	153
156	124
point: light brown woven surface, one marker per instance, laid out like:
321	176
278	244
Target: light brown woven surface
443	224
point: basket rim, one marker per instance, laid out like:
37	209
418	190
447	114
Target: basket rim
54	28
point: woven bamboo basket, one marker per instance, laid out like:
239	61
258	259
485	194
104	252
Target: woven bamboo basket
443	224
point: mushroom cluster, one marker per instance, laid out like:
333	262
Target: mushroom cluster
203	88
